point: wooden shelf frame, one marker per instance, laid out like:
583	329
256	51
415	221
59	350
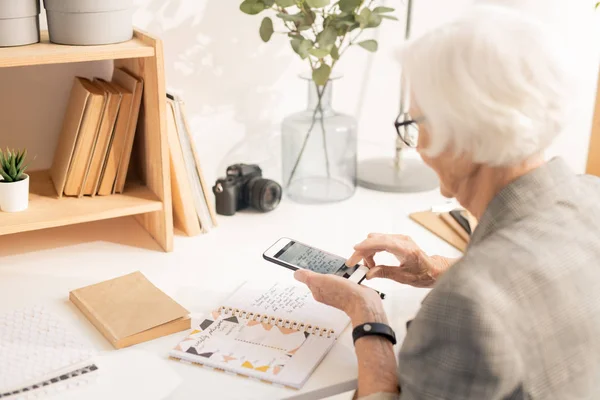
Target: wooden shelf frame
593	161
150	200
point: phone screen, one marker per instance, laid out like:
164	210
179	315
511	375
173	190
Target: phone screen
302	256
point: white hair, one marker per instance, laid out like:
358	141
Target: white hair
491	84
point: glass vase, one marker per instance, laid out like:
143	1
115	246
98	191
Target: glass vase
319	150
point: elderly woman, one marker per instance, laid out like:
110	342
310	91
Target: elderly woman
518	316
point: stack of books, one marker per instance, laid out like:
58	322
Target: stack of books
193	212
94	148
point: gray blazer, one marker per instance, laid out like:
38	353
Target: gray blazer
518	317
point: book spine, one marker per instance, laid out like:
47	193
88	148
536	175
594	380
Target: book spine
276	321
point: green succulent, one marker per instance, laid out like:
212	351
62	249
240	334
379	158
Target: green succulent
12	165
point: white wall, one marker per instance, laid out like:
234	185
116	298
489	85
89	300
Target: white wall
238	89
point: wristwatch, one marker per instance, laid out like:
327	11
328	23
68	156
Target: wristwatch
374	328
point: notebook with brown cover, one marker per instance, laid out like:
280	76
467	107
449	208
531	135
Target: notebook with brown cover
128	80
86	139
107	125
435	224
76	110
109	171
129	310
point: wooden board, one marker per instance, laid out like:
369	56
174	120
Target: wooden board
593	162
47	210
151	140
50	53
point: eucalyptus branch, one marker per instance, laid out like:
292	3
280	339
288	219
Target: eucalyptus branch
331	23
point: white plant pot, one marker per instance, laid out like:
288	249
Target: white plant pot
14	196
89	22
19	22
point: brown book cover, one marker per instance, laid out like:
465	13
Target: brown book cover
435	224
107	125
451	222
75	112
129	310
185	217
109	172
136	84
86	139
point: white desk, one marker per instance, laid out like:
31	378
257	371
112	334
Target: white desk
42	267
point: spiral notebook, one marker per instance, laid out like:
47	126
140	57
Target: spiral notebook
275	332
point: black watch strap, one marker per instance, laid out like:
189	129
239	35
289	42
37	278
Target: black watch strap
374	328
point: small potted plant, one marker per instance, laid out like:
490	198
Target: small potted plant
14	186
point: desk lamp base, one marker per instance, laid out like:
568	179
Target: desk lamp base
383	175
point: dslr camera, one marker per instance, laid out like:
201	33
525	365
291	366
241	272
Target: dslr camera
242	187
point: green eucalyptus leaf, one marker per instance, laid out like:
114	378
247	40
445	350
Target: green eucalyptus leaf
363	18
266	29
335	53
319	53
317	3
309	16
301	47
389	17
285	3
369	45
327	37
268	3
383	10
349	5
321	74
341	24
252	7
374	20
291	17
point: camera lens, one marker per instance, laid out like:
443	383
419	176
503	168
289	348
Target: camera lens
263	194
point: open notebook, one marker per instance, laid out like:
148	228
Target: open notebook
274	332
40	355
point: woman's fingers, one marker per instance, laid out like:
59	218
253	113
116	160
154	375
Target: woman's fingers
356	258
370	261
396	244
384	271
397	274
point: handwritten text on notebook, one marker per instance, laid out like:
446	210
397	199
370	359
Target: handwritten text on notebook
282	298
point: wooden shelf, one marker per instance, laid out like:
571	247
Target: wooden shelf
50	53
47	210
150	202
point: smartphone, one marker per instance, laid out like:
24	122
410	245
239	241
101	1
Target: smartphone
294	255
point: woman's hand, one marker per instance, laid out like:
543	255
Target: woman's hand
360	303
416	268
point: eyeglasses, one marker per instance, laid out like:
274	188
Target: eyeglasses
408	130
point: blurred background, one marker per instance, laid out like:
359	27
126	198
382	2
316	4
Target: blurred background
237	89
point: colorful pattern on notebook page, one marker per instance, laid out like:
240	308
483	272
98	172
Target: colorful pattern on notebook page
238	342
